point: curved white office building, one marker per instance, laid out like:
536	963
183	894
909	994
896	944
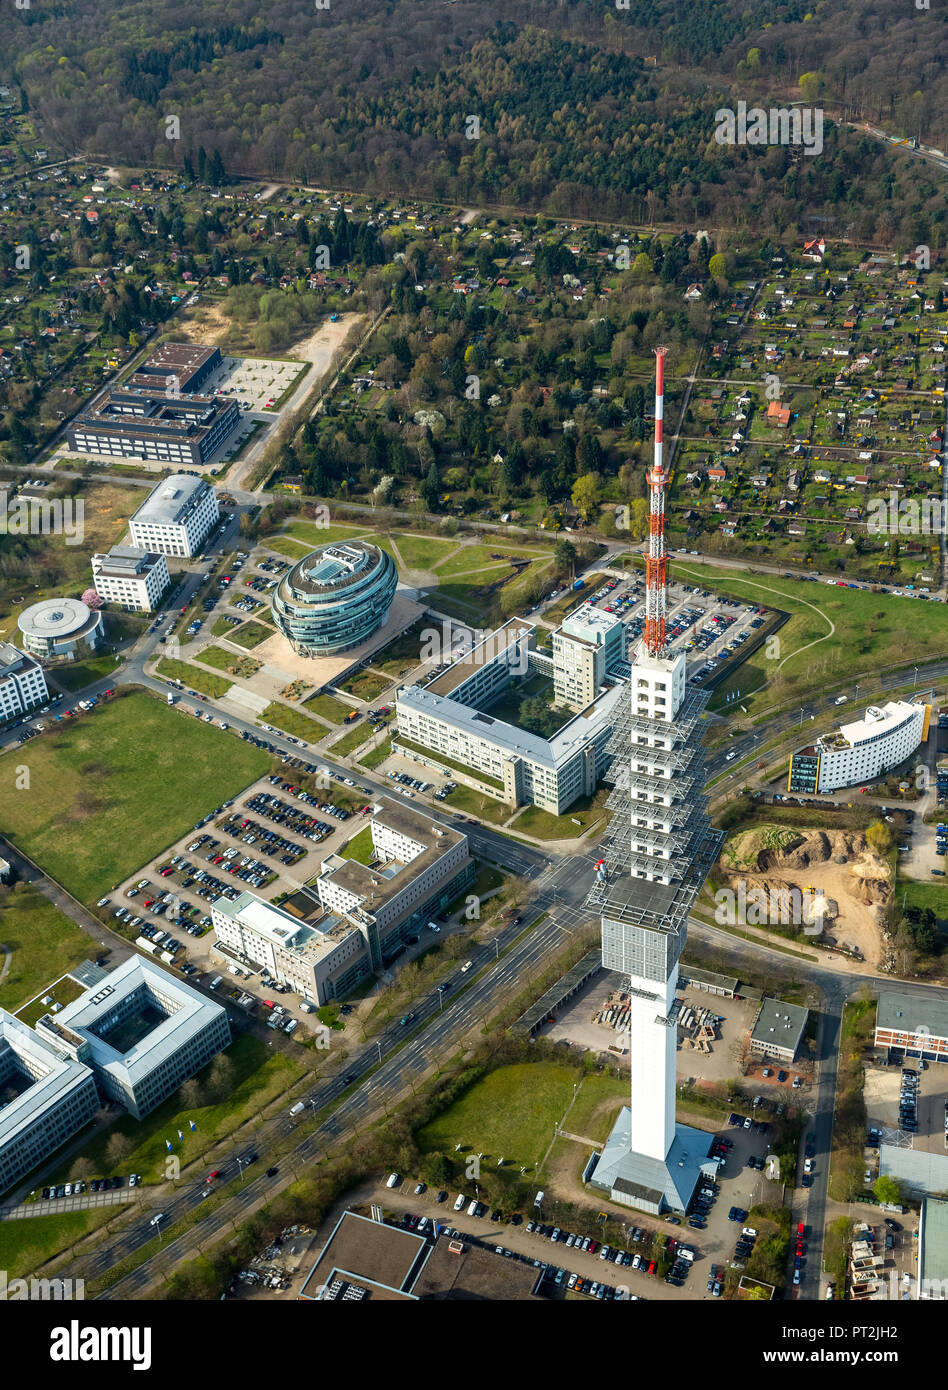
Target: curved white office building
60	627
335	598
862	751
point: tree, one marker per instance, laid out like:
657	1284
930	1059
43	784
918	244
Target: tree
192	1094
888	1191
564	556
879	837
586	494
117	1150
223	1075
810	84
717	267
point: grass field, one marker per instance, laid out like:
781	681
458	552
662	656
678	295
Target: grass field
259	1074
365	685
294	721
478	557
919	894
117	787
28	1244
250	634
353	739
360	847
376	756
403	653
193	677
477	804
233	662
222	628
283	545
315	535
78	674
43	943
833	633
598	1102
509	1114
422	552
327	708
543	825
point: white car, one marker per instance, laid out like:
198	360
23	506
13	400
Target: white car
731	755
808	1165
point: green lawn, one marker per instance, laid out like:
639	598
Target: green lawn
917	894
28	1244
293	550
509	1114
376	756
78	674
543	825
871	630
401	654
477	557
327	708
353	739
293	721
422	552
62	991
115	788
474	803
223	628
360	847
193	677
223	660
250	634
260	1074
43	941
315	535
366	685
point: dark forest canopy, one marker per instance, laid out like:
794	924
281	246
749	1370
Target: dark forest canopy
585	108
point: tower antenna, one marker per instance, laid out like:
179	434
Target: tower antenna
656	560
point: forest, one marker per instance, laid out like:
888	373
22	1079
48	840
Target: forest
579	108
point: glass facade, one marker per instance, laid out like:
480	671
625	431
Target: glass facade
335	598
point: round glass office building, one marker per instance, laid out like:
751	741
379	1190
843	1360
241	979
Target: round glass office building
335	598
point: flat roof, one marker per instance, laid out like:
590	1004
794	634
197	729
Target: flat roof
172	500
912	1013
780	1024
368	1252
124	561
549	753
12	660
54	618
933	1241
877	720
373	885
192	1013
54	1075
489	649
459	1270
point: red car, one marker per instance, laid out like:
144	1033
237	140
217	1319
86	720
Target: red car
651	1267
110	692
268	1003
216	1174
148	902
166	872
801	1230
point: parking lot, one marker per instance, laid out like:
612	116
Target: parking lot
699	622
257	382
270	839
886	1109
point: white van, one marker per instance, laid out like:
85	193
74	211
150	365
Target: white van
393	1180
215	982
295	1109
460	1201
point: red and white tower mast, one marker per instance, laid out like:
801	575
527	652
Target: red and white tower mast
656	560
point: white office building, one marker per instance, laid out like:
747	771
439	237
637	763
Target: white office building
321	959
46	1097
61	628
130	577
175	517
142	1031
448	724
862	751
22	683
587	645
